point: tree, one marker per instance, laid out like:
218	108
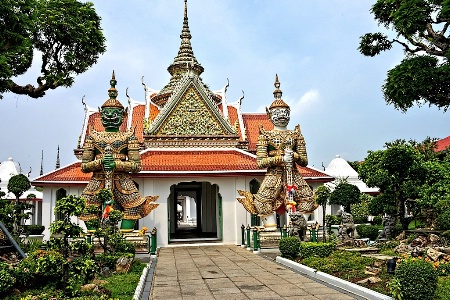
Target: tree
66	32
421	28
399	172
345	194
322	193
19	184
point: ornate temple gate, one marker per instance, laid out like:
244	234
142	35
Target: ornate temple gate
200	218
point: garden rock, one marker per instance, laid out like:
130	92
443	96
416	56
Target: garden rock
372	279
434	239
123	264
420	241
372	271
434	255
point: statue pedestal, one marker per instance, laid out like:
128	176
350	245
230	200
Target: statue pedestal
269	239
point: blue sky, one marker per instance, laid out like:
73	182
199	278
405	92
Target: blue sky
334	91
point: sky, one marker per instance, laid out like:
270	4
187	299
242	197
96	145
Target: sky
333	90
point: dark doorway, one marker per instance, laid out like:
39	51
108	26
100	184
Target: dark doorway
192	212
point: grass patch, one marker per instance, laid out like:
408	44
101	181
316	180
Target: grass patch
123	286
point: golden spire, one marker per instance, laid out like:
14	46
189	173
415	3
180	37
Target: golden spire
112	92
185	60
277	93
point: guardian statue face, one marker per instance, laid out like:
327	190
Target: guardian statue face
112	118
280	116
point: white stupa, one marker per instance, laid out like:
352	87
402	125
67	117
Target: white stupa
340	169
8	169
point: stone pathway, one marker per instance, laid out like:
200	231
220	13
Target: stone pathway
231	272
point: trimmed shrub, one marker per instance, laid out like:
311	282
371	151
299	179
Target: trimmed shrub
7	279
332	220
289	247
417	279
377	220
367	231
33	229
308	249
443	220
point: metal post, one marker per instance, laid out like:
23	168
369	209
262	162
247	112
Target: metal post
284	231
243	236
89	238
153	246
12	240
255	240
248	237
313	235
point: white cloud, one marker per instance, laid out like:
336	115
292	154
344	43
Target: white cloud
310	99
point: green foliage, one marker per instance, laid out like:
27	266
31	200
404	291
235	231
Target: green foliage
308	249
332	220
345	194
443	220
7	278
338	261
443	288
18	184
33	229
289	247
41	266
67	33
81	271
417	279
377	220
122	286
360	210
322	193
387	246
367	231
395	289
81	248
399	172
423	75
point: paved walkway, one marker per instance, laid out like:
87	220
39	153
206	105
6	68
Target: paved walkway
231	272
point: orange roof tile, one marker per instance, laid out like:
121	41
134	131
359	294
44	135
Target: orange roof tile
443	144
251	123
197	160
138	121
181	163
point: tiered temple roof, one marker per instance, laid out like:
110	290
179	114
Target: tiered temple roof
184	129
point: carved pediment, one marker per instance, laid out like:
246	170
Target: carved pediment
191	112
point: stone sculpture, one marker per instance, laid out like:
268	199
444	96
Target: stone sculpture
299	225
280	151
347	227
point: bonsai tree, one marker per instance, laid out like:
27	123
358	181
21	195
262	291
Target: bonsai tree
68	206
322	194
345	194
18	185
399	172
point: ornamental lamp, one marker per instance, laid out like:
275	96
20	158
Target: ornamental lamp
391	264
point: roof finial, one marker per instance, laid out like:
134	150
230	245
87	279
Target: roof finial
277	93
185	53
278	102
42	163
112	92
58	162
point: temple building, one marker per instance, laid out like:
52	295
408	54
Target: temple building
197	150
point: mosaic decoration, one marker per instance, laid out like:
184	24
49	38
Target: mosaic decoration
191	117
123	149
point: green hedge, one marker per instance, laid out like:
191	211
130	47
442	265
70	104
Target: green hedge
417	279
319	249
367	231
289	247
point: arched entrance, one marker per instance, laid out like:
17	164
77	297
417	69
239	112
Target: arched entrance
194	212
